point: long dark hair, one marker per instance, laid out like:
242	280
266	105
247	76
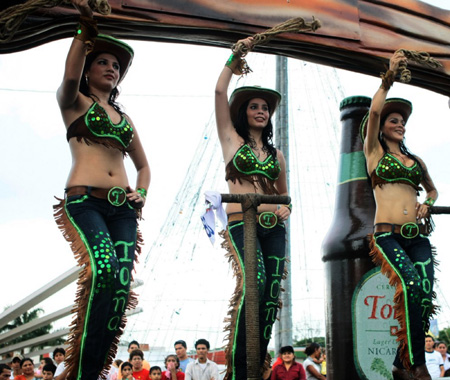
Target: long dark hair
402	146
84	88
311	348
242	128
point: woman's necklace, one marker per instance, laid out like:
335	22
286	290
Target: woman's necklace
257	151
401	158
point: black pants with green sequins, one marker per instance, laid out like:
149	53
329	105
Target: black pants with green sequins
271	251
412	261
109	235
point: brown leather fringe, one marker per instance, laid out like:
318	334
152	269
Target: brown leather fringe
377	181
267	363
235	301
84	282
107	143
399	299
434	308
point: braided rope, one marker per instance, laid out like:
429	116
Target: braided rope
12	17
420	57
294	25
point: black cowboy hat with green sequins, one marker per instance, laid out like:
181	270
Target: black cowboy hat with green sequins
391	105
242	94
122	51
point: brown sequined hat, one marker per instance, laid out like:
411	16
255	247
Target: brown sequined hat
391	105
122	51
242	94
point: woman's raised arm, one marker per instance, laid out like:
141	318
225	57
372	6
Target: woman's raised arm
68	91
225	127
371	142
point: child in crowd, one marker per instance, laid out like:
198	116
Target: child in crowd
38	373
155	373
48	371
172	372
113	373
59	354
139	372
127	371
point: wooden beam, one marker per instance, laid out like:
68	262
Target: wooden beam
35	324
35	341
39	295
357	35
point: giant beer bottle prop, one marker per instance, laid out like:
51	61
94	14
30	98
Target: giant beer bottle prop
345	248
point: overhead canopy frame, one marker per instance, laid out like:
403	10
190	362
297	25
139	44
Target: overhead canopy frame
357	35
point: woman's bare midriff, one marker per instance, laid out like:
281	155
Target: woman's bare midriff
396	203
96	165
245	188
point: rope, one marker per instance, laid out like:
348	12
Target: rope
294	25
420	57
12	18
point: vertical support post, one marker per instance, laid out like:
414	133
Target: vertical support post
250	203
283	326
251	290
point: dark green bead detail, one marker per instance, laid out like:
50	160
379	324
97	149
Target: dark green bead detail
247	163
99	123
105	277
392	170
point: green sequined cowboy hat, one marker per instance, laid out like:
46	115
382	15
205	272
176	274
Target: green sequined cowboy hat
391	105
242	94
122	51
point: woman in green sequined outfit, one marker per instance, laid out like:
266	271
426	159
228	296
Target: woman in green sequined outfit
400	243
254	165
99	213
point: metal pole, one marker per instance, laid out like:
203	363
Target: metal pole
283	328
250	203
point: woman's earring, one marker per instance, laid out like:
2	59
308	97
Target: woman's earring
381	135
87	80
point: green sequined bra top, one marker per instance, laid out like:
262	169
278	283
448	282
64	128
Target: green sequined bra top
245	166
96	127
391	170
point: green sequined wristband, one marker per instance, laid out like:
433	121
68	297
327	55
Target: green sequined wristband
237	64
429	202
142	191
289	206
87	32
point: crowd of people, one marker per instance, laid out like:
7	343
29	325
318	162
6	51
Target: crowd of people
181	366
177	366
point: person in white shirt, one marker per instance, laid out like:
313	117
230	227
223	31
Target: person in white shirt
202	368
433	359
442	349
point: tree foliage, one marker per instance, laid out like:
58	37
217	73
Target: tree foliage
23	319
444	336
304	342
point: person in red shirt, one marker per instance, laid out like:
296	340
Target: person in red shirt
290	369
139	372
172	369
